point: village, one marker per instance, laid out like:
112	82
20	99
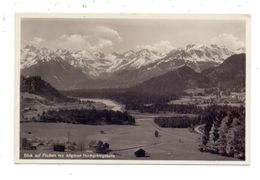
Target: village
204	97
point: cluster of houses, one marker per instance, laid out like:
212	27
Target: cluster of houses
218	97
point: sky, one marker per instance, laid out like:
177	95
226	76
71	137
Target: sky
120	35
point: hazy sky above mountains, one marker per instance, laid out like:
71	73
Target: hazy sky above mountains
111	35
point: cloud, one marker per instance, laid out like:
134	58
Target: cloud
73	42
106	32
96	38
228	40
162	46
79	42
36	41
73	39
103	43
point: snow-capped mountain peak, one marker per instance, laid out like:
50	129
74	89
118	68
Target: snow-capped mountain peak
30	55
189	46
134	60
129	53
94	63
199	53
240	50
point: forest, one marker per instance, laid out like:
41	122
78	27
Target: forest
164	107
224	132
177	122
88	116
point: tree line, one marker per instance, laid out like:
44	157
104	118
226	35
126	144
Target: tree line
87	116
177	122
164	107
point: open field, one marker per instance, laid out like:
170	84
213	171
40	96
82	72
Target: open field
124	140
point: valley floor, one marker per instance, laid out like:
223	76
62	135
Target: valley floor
124	140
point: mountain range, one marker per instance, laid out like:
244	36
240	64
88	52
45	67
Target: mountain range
85	69
228	76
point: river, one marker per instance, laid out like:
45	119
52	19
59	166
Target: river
113	105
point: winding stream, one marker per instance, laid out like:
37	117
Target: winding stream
115	106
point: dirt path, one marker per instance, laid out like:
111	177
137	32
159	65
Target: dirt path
197	129
150	122
134	147
163	131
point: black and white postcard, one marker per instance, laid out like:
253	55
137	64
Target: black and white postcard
132	88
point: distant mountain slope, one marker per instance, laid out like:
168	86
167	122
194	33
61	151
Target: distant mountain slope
174	82
35	85
57	72
230	75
